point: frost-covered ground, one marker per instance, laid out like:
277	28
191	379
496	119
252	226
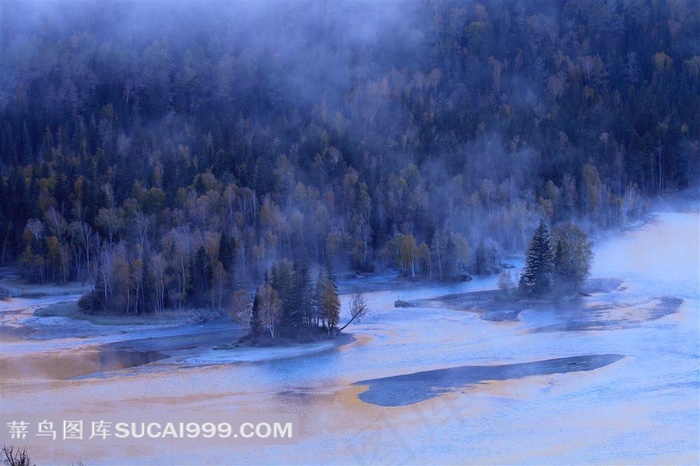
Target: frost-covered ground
641	408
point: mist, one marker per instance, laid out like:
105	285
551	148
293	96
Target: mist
332	131
201	185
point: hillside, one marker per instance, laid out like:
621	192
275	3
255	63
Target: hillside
173	152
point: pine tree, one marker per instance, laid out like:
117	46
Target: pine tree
537	277
328	300
99	292
283	284
316	298
450	261
227	251
302	294
200	278
255	327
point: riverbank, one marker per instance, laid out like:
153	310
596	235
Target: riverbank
601	305
418	381
44	335
13	286
502	306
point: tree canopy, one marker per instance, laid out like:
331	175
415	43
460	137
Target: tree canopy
573	255
561	262
537	277
171	152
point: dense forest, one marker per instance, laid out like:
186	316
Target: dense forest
173	152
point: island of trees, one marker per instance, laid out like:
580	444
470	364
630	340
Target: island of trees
286	305
182	155
560	265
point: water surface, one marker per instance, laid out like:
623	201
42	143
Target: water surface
480	391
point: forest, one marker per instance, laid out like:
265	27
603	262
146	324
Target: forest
174	153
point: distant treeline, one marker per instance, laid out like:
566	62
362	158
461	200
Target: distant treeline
173	152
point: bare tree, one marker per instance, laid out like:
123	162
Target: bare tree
158	278
14	457
270	305
35	228
178	244
56	223
241	307
358	308
219	281
506	282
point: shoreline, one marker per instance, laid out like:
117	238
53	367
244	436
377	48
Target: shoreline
36	330
443	368
54	325
254	354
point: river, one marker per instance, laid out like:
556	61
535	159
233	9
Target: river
612	378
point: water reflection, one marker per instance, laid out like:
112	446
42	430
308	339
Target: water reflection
71	364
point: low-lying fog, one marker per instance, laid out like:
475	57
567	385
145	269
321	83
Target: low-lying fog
613	378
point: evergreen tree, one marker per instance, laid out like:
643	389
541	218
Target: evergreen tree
538	275
200	278
302	295
255	326
317	310
99	291
283	284
449	267
327	301
619	126
227	251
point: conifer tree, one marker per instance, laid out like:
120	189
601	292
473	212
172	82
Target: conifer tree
99	291
328	300
537	276
255	316
255	325
302	295
450	261
283	284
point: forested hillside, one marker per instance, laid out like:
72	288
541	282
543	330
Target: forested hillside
174	151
